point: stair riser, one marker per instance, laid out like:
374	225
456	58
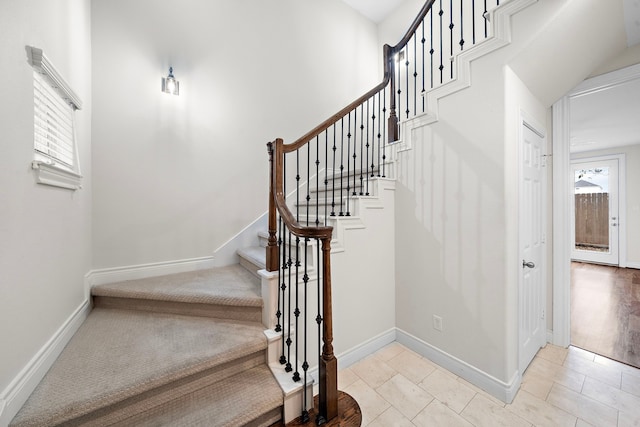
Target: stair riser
120	414
251	314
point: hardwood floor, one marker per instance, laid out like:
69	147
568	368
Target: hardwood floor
605	311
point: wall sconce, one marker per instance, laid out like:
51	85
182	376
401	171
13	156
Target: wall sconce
170	84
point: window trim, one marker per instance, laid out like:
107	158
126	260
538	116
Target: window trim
47	171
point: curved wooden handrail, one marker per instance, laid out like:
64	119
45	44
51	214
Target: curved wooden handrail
277	155
388	56
414	26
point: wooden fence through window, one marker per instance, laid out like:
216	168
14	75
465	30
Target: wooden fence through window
592	220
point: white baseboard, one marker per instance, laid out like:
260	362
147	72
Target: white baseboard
131	272
631	264
503	391
18	391
549	336
359	352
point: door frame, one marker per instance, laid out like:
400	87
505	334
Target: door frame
561	113
621	200
528	121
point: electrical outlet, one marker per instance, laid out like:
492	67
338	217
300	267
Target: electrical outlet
437	323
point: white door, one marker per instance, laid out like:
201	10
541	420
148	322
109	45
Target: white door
594	213
531	295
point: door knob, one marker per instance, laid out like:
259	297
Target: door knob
527	264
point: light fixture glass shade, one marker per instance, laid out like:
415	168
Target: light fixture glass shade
170	84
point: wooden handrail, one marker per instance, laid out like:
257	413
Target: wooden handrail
328	384
389	66
276	152
414	26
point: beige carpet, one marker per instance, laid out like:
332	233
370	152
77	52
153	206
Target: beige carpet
162	368
232	285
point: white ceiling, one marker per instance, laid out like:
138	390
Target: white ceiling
610	117
606	118
376	10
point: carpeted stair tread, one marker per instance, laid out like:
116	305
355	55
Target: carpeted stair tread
232	286
235	401
117	354
256	254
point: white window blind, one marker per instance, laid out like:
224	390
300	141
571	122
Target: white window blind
53	123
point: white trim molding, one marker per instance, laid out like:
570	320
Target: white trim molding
18	391
49	174
505	391
561	200
366	348
39	61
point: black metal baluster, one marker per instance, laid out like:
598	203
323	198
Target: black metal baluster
319	417
368	145
399	91
384	132
348	162
355	143
441	45
278	327
298	185
484	15
361	148
308	197
283	267
296	312
415	74
451	35
406	67
333	175
473	21
289	264
326	171
431	50
317	178
373	135
423	40
461	26
379	133
341	163
305	364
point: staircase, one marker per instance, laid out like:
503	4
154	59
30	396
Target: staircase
191	348
182	349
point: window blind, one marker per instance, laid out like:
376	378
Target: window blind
53	123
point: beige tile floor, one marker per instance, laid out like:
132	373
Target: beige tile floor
561	387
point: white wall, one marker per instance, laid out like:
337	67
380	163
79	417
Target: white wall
450	234
456	197
176	177
45	232
632	179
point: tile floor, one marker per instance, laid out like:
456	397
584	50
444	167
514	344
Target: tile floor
561	387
